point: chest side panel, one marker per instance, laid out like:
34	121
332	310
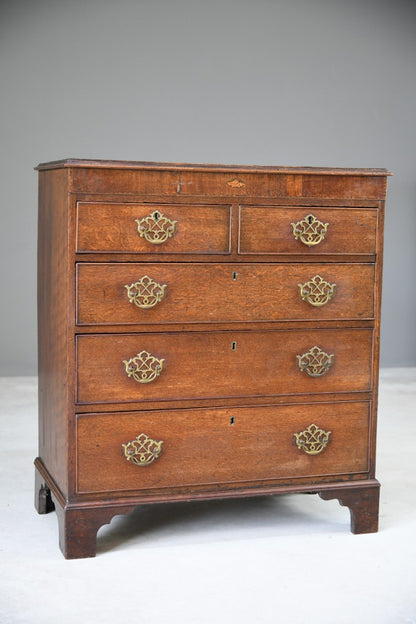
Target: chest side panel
55	325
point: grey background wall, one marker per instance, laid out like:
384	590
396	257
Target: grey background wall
283	82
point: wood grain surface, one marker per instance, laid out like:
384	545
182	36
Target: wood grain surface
220	446
268	230
218	293
231	395
204	364
112	227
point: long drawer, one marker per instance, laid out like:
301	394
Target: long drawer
307	230
132	293
198	365
142	450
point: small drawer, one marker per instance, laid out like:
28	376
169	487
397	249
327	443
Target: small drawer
130	293
153	228
178	448
307	230
204	365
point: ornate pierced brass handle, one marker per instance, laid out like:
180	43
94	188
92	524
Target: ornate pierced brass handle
312	440
156	228
144	367
309	230
317	291
145	293
143	450
315	362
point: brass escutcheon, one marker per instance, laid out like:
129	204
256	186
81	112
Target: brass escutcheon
156	228
144	367
309	230
312	440
143	450
145	293
315	362
317	291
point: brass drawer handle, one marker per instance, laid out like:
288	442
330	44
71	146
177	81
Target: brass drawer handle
312	440
315	362
317	291
144	367
156	228
145	293
143	450
309	230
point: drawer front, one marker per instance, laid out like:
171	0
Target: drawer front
185	180
129	293
153	228
307	230
180	448
198	365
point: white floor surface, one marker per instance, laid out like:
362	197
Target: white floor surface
282	559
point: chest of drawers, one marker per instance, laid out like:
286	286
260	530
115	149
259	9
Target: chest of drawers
205	332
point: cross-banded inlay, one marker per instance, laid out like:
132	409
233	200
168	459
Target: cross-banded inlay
312	440
145	293
143	450
144	367
156	228
315	362
317	291
309	230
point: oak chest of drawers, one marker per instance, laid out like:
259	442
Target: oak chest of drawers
205	332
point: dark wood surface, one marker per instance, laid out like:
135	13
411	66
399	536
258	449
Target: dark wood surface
79	522
268	230
55	324
159	166
218	180
232	271
363	504
43	498
112	227
218	293
234	446
205	365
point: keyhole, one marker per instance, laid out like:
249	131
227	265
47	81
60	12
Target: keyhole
156	216
233	346
232	420
235	276
310	219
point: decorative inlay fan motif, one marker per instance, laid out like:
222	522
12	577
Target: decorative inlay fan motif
236	183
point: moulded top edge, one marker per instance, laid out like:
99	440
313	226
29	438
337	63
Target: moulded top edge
129	164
